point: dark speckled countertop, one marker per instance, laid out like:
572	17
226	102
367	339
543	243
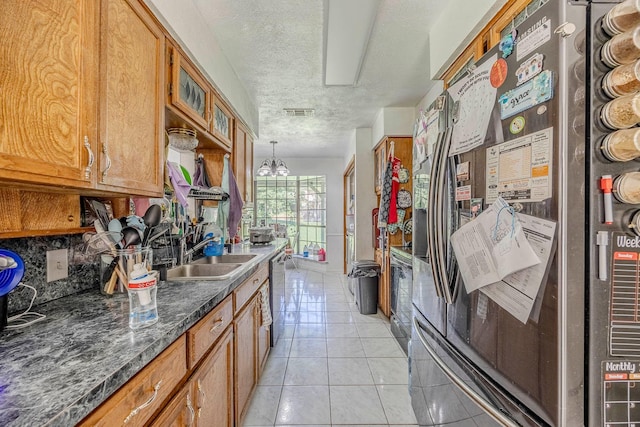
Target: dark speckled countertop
57	371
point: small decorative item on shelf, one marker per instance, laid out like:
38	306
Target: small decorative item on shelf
182	139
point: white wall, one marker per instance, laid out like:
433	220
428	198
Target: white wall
183	18
459	23
396	121
365	193
333	169
431	96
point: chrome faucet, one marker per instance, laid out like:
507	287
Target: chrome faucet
188	253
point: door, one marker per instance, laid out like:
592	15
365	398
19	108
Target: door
245	357
49	83
524	157
132	108
179	412
213	385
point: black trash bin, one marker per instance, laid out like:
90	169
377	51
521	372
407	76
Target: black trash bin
365	273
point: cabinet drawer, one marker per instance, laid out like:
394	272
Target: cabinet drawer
136	401
203	334
245	291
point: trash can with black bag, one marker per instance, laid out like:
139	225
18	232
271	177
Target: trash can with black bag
365	274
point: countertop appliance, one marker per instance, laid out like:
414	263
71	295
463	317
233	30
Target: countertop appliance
557	344
401	282
262	235
277	295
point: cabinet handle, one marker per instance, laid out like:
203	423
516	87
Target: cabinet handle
145	404
87	170
190	407
203	399
217	324
256	280
105	151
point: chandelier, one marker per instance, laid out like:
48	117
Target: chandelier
273	166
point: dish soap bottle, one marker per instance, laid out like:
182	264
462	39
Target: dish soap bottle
322	255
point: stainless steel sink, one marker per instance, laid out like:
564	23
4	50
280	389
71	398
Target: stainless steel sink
225	259
217	271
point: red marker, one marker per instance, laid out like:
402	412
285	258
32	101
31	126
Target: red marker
606	184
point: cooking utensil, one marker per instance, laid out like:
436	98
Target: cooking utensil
151	219
130	237
10	277
101	213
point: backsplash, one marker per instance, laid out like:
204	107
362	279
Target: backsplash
33	251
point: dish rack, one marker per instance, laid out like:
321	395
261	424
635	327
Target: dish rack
208	194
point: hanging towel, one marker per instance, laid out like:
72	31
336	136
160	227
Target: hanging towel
230	210
180	185
200	177
266	319
395	187
385	197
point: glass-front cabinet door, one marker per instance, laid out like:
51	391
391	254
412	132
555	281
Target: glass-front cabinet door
189	92
222	123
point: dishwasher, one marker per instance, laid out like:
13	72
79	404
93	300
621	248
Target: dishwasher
401	283
277	295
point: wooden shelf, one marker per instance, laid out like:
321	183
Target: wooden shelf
39	233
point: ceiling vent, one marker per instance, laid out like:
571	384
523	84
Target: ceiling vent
299	112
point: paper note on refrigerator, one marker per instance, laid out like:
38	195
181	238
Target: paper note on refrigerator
492	247
517	292
475	98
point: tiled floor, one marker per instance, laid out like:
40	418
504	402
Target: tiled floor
332	366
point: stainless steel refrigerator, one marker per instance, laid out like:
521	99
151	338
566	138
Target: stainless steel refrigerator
524	124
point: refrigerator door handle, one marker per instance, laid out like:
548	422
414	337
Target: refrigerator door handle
491	410
431	226
439	217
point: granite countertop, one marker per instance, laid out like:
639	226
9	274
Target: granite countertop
57	371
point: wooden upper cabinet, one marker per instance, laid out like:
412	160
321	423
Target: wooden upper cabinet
243	161
222	122
131	150
48	104
188	91
248	167
239	159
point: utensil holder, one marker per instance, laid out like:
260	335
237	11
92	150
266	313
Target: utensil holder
116	266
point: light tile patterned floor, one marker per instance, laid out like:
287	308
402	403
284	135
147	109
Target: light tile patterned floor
332	365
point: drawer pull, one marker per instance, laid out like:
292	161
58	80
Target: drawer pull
145	404
256	280
202	401
216	324
190	407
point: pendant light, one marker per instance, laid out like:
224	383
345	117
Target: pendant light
273	166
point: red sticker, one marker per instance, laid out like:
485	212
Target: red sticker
498	73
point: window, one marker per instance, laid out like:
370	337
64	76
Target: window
293	204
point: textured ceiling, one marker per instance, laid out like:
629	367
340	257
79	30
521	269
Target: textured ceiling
276	49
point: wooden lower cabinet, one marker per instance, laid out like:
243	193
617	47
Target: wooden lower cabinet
207	398
384	291
245	357
207	376
136	402
264	335
252	342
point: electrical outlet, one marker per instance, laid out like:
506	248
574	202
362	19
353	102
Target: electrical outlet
57	265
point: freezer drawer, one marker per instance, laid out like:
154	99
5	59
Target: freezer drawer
438	376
